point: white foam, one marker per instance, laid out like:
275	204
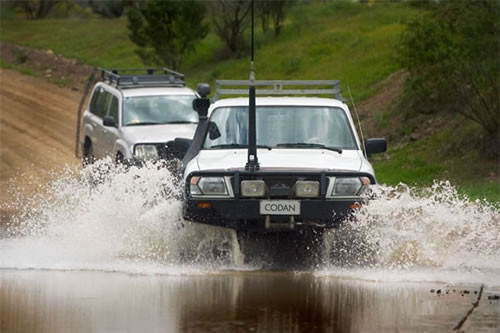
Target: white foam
131	221
419	235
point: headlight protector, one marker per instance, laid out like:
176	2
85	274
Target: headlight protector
350	186
209	186
146	152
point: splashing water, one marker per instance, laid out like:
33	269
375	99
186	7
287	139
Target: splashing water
103	218
107	219
430	234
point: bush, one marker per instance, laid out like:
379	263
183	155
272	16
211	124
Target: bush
452	55
166	31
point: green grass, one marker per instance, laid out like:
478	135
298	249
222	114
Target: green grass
452	153
338	40
351	42
19	68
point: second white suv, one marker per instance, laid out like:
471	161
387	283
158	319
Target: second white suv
131	116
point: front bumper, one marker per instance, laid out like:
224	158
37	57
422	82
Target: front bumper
244	214
241	213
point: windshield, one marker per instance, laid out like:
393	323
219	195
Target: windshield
281	126
152	110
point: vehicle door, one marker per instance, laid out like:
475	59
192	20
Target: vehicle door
99	133
111	134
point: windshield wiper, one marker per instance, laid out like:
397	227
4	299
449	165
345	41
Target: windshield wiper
237	145
309	145
143	123
181	122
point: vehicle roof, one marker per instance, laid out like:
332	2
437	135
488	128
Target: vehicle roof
275	101
151	91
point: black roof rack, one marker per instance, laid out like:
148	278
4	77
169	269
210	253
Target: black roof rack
142	77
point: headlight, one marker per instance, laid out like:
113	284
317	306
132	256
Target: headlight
349	186
208	186
146	152
307	189
253	188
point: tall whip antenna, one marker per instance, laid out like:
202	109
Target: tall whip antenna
252	162
359	122
252	74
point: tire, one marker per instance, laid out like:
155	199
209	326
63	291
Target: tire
283	250
119	159
88	155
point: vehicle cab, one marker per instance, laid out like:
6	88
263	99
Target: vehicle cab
132	114
312	165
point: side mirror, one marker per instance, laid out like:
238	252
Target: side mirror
375	146
213	131
109	121
178	147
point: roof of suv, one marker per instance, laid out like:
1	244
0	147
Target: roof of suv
153	91
275	101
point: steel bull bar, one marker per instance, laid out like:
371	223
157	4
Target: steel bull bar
243	213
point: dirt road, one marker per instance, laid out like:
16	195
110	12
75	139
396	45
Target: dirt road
37	130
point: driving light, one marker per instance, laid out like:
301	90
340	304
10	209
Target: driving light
146	152
346	186
307	189
253	188
212	186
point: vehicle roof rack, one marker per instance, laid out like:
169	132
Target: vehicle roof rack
142	77
279	87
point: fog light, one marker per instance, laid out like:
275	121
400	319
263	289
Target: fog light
307	189
253	188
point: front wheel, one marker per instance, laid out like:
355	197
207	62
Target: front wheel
88	154
283	250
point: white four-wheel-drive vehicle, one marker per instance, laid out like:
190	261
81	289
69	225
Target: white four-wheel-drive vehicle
133	113
275	163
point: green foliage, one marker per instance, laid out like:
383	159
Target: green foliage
166	31
108	8
434	158
230	19
272	10
452	55
37	9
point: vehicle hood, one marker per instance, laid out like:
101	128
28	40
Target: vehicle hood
298	159
158	133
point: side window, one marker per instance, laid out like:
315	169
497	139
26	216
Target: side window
113	108
93	101
103	103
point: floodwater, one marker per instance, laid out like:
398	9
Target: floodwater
117	256
47	301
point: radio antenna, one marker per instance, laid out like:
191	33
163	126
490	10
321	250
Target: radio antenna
252	162
359	122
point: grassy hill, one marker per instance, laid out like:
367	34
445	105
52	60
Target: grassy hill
352	42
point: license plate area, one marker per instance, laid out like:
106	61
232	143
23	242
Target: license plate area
280	207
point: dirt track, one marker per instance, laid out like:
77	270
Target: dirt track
37	130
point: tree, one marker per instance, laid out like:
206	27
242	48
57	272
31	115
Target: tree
272	10
452	55
108	8
166	31
230	19
37	9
